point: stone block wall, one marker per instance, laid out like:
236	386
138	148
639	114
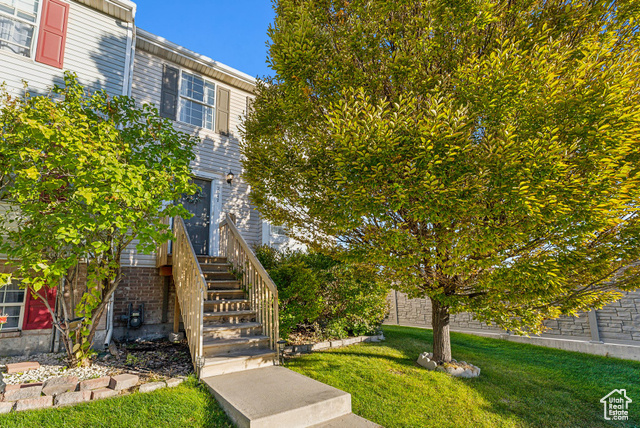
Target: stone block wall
618	322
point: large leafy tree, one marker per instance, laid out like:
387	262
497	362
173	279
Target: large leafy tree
84	176
484	153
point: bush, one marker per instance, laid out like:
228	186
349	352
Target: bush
321	295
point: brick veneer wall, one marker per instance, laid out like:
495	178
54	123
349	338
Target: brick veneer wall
143	285
617	322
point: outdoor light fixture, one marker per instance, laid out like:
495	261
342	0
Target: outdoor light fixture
230	177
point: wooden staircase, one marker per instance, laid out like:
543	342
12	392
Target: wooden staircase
232	335
228	305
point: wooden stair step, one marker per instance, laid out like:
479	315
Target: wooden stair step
222	327
223	283
214	343
226	291
245	359
225	301
211	259
228	313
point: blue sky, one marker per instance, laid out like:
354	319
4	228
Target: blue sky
233	32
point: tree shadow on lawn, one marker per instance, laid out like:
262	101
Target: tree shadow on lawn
520	384
538	385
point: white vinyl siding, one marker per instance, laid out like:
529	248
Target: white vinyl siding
95	49
215	154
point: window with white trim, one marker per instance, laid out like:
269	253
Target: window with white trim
278	230
12	305
197	101
18	23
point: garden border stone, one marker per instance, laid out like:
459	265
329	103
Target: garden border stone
293	350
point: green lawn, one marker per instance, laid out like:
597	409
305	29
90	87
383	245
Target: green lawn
520	385
186	405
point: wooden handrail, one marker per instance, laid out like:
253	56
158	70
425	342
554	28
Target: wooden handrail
254	279
191	289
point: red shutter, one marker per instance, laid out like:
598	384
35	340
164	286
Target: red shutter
53	33
36	314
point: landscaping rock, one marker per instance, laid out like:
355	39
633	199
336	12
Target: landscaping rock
425	361
336	343
34	403
98	394
97	383
151	386
22	367
123	381
67	398
22	391
6	406
174	382
61	384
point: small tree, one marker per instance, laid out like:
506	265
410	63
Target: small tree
484	153
85	176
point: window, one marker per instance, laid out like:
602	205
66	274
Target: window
11	305
278	231
197	101
18	20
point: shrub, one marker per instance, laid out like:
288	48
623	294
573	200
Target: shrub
318	292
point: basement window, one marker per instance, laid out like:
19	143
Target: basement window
12	305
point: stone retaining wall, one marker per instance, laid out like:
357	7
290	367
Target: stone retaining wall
616	324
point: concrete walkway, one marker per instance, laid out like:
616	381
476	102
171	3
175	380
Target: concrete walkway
276	397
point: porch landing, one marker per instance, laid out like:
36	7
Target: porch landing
278	397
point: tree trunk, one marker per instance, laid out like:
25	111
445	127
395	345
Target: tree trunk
440	325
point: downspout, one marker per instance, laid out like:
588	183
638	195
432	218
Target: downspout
126	90
107	338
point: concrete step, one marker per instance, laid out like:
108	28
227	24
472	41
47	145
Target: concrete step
232	331
223	284
210	259
216	347
227	305
348	421
277	397
237	361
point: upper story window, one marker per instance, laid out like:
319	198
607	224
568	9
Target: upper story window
18	21
12	305
197	101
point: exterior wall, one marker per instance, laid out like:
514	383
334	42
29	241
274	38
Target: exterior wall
215	155
616	325
95	49
143	285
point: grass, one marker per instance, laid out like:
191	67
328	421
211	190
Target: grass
187	405
520	385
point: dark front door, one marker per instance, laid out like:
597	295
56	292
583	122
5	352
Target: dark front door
199	205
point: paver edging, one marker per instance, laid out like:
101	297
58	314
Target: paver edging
294	350
81	393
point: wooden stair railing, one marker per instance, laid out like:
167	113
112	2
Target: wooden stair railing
254	279
191	290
